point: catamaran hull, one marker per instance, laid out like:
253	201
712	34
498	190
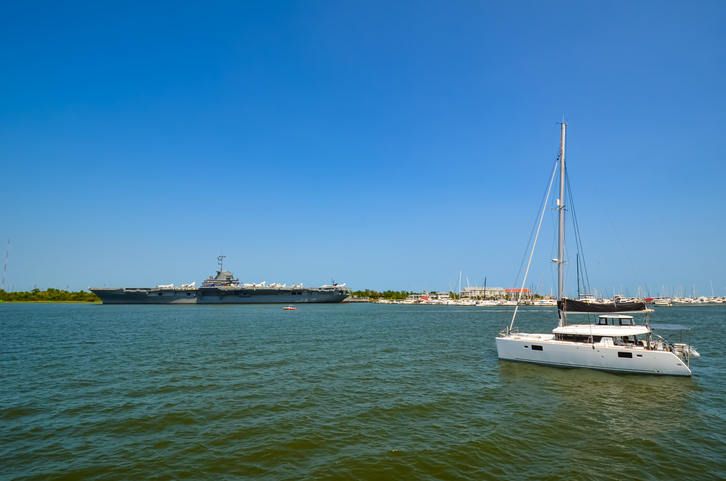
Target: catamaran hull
213	295
583	355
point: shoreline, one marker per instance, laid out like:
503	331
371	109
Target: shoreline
51	302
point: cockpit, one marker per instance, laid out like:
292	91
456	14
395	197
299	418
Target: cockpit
615	321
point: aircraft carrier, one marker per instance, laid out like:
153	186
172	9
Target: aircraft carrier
222	289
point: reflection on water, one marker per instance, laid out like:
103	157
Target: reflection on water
618	400
636	419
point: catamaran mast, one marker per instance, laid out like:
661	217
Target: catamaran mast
561	208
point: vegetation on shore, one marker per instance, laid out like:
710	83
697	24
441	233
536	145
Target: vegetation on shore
392	295
375	295
49	295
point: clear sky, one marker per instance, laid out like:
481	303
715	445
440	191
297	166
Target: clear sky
387	145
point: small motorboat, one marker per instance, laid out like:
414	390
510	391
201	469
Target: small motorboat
288	308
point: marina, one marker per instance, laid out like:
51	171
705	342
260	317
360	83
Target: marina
446	299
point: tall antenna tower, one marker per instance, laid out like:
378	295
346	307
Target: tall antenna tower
6	263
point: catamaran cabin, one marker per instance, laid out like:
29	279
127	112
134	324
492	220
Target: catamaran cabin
611	329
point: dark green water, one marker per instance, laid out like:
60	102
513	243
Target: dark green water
337	392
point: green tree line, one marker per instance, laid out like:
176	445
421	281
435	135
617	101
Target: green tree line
375	295
49	295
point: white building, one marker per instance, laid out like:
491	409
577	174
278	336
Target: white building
483	292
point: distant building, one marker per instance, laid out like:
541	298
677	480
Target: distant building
356	299
482	292
514	293
416	298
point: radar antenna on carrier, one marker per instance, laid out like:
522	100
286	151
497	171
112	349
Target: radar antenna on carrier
220	260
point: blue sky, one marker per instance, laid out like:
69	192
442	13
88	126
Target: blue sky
388	145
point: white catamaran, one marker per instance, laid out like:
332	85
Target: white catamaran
614	343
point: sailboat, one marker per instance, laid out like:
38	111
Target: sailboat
615	343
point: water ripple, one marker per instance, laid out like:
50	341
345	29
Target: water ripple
335	392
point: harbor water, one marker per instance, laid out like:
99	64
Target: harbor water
338	392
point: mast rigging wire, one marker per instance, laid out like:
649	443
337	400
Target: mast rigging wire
545	196
539	225
576	228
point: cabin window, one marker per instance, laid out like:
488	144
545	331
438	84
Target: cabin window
526	347
189	293
640	355
536	348
160	293
625	354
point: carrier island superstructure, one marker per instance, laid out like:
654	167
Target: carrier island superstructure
222	289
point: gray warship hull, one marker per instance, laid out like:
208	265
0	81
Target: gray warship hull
222	289
219	295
